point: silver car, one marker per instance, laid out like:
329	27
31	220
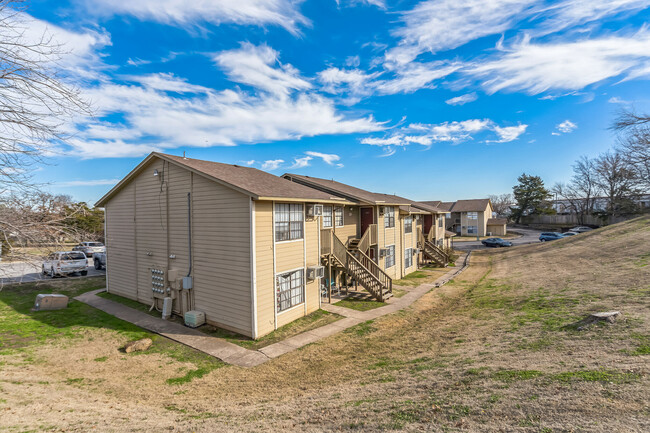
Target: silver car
64	263
90	248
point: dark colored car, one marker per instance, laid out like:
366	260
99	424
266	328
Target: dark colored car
496	243
550	236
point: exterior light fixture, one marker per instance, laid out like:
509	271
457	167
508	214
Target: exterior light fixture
155	172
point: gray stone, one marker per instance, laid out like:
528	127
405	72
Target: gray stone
50	301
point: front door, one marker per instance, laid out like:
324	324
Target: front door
428	222
367	218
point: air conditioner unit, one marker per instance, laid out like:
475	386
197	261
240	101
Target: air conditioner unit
383	252
314	272
313	210
417	251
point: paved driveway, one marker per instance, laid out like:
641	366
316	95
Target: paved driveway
31	271
529	236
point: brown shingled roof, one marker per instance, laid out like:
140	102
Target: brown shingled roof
348	191
497	221
248	180
475	205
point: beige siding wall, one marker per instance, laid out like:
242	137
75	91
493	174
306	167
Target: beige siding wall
264	267
350	229
150	227
497	230
120	244
221	254
147	223
289	255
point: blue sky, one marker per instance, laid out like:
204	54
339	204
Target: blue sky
430	99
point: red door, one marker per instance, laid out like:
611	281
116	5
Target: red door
366	219
428	222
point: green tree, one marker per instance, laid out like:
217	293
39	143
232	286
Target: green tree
85	220
531	197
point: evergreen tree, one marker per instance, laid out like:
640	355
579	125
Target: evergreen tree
531	197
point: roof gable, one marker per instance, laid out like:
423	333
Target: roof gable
256	183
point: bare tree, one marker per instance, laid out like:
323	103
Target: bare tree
634	143
36	104
581	191
619	182
501	204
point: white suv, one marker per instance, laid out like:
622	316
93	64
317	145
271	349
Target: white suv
90	248
65	263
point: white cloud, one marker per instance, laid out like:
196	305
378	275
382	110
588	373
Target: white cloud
301	162
328	158
462	99
95	182
509	133
283	13
439	25
617	100
395	140
450	132
250	162
272	164
536	68
256	66
566	127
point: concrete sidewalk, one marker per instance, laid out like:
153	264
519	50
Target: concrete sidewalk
237	355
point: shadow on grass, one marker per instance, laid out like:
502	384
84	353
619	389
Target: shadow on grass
22	328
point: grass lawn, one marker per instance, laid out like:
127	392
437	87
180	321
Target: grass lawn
360	304
314	320
21	329
424	275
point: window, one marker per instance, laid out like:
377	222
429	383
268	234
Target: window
290	289
472	230
338	216
389	216
327	216
408	224
472	215
440	221
408	258
390	256
288	221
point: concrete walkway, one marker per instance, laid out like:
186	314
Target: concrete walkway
237	355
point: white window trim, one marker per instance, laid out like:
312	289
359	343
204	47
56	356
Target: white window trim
406	254
387	217
304	288
405	232
342	216
331	217
394	256
304	227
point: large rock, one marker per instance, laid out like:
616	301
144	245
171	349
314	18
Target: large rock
138	345
50	301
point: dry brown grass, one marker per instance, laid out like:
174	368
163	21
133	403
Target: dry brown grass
489	352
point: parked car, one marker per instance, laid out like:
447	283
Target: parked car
99	259
64	263
550	236
569	234
496	242
580	229
90	248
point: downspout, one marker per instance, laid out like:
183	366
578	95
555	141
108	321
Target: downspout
189	230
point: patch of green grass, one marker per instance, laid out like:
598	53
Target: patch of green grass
644	347
611	376
362	329
101	359
398	293
515	375
312	321
74	381
643	260
359	304
20	327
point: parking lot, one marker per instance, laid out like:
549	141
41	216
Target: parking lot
528	236
17	272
